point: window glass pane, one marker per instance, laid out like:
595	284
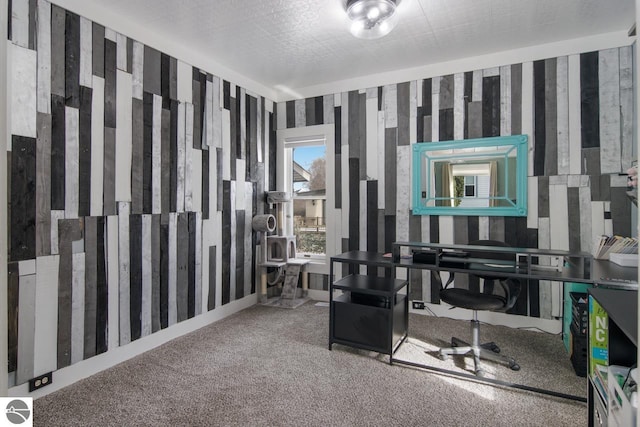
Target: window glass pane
309	195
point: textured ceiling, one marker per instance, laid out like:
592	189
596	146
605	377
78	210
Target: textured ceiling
300	43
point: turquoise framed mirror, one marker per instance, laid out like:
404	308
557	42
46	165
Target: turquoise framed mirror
484	176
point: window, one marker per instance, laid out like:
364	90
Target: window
308	184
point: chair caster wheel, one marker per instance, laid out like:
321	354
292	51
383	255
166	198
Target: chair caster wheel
514	366
480	373
454	343
443	356
495	349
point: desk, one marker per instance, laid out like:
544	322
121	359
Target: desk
576	267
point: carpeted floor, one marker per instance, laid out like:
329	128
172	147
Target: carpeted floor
269	366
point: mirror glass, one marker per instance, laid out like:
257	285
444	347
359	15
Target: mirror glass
486	176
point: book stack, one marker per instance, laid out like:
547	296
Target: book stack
604	246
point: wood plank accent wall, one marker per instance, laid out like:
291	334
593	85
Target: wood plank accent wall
577	111
133	178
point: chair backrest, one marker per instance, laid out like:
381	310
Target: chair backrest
509	287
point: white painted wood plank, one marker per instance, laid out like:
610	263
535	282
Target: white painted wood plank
55	216
248	230
390	105
597	221
110	34
44	57
527	110
217	113
476	86
77	307
121	52
403	192
562	96
371	138
491	72
458	106
559	217
483	228
26	327
147	283
86	52
586	239
46	321
505	100
240	181
300	110
188	158
173	269
181	157
156	156
626	106
124	132
196	169
608	222
71	160
575	120
609	95
545	292
226	145
20	22
23	80
446	229
532	202
137	70
208	115
97	147
113	281
328	109
124	273
213	182
185	82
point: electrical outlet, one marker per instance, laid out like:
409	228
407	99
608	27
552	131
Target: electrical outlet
418	305
41	381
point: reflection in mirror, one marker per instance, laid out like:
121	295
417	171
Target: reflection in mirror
472	177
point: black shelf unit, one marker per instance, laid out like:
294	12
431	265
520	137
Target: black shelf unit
372	313
621	307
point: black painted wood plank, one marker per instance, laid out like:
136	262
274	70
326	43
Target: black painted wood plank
173	156
72	60
151	73
129	67
137	157
290	108
620	208
543	197
233	153
97	52
135	276
203	103
510	237
191	277
310	111
354	136
164	272
110	65
9	27
165	161
211	302
239	144
252	138
173	78
13	292
319	107
58	18
226	242
182	266
589	100
446	92
197	109
90	286
226	95
372	216
102	290
23	198
84	160
240	253
468	95
389	237
109	184
338	157
539	131
33	29
147	150
272	151
155	273
165	78
354	204
573	210
390	171
205	183
491	106
516	99
446	124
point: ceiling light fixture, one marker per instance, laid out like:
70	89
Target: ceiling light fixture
372	19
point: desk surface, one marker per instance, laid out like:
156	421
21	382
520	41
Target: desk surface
622	307
603	272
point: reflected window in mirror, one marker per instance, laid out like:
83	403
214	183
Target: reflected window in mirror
486	176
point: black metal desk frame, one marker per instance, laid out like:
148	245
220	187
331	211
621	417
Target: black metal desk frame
576	267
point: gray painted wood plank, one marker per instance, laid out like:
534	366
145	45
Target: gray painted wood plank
137	156
551	117
26	328
97	50
23	81
77	306
43	185
124	276
109	171
44	56
58	17
90	286
155	273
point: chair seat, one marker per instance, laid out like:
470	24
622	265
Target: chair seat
464	298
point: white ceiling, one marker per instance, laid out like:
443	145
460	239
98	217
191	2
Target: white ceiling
295	44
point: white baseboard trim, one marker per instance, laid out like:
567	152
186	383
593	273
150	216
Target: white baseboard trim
76	372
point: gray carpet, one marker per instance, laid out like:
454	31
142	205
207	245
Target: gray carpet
268	366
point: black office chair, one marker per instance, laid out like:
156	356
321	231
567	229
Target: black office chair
499	294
